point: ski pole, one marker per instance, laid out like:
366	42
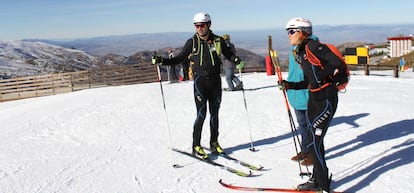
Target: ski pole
247	113
166	114
275	61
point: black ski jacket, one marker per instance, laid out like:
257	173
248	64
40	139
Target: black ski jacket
205	55
316	76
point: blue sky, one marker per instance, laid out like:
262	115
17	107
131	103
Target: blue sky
68	19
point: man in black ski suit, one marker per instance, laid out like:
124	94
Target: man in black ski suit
204	49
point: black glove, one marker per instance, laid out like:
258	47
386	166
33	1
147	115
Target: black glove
283	85
156	60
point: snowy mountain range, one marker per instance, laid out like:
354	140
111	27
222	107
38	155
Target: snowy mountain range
18	58
252	40
41	56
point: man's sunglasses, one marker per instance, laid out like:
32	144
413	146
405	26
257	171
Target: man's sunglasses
202	25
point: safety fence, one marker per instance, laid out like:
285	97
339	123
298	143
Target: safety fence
50	84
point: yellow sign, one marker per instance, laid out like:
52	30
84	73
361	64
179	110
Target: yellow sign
357	56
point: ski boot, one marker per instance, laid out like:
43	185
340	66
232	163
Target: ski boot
239	86
199	152
310	185
308	161
301	156
216	148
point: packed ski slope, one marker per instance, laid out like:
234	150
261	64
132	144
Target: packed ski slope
118	139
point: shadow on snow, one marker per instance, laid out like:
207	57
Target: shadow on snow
351	120
387	160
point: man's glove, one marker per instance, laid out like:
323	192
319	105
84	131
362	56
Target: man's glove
156	60
283	85
239	63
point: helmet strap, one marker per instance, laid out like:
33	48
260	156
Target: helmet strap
303	35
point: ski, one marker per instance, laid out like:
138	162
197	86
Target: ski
229	90
211	162
246	188
238	161
243	163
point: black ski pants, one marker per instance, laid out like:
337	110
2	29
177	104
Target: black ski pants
320	114
207	90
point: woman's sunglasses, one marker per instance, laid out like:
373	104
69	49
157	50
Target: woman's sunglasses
292	31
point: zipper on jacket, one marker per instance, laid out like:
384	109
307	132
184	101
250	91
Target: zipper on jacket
210	50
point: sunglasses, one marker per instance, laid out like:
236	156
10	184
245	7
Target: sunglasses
292	31
202	25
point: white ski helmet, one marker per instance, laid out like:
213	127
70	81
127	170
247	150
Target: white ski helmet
300	23
201	18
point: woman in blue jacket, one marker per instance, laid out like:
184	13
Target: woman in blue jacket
298	99
323	96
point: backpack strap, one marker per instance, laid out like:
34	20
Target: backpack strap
326	84
197	42
217	44
196	45
310	56
314	60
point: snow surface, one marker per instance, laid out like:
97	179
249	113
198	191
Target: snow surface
117	139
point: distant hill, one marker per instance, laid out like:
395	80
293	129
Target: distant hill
253	40
125	45
18	58
33	57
